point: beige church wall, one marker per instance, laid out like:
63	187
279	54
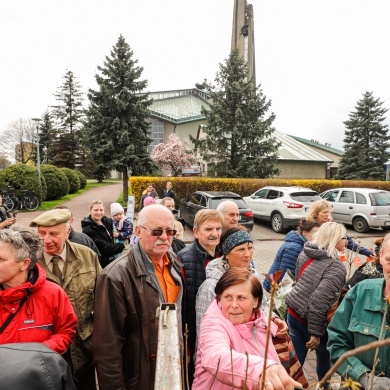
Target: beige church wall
301	169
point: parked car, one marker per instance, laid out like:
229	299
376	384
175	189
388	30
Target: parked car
282	206
360	207
200	200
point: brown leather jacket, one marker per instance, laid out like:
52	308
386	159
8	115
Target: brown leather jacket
126	328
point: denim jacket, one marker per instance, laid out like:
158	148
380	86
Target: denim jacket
357	322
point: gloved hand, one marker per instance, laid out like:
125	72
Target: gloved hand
380	382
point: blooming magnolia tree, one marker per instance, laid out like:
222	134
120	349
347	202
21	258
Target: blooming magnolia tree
174	155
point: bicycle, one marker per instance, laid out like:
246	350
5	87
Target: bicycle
28	200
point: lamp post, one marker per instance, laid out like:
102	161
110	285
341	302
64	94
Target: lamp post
37	120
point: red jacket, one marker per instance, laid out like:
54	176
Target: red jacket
46	316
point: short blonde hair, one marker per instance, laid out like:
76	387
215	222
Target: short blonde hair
328	235
96	201
207	215
316	208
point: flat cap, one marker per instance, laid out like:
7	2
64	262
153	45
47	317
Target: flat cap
51	218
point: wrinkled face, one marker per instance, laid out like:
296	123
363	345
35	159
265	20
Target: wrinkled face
156	246
54	238
12	273
117	217
324	216
342	244
384	256
237	303
97	212
241	255
231	216
208	233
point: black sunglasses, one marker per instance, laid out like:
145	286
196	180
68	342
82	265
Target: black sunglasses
159	232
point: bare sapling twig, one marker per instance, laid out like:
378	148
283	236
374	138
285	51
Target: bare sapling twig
273	279
351	255
347	355
215	375
381	337
187	383
231	360
246	371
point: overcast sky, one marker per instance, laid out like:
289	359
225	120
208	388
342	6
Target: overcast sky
314	59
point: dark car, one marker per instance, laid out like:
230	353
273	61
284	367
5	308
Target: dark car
200	200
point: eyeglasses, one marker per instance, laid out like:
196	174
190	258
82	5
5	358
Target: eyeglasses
231	215
159	232
344	238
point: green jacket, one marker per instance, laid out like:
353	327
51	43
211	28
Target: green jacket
81	271
357	322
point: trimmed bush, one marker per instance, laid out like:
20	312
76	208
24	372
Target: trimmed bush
56	181
185	186
73	179
23	177
82	178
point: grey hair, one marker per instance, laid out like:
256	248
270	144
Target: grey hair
222	206
328	235
149	213
25	242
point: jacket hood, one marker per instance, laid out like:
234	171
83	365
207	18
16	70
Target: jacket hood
37	278
214	269
311	250
294	236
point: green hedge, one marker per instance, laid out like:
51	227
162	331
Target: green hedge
23	177
184	186
73	178
56	181
82	178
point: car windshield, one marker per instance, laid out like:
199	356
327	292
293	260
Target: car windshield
380	198
238	201
309	196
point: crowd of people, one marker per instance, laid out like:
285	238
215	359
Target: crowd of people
93	297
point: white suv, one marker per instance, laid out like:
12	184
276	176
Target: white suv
360	207
283	206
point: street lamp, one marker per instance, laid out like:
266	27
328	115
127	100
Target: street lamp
37	120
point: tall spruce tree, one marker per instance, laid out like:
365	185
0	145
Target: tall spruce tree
68	116
47	135
117	117
239	139
366	141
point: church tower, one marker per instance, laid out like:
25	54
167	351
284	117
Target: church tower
243	38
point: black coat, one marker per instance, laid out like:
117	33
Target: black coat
33	366
102	237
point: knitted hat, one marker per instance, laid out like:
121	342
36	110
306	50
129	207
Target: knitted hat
116	208
234	240
149	200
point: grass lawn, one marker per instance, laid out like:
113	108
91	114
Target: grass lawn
48	205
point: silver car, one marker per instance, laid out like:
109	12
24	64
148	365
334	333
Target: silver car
360	207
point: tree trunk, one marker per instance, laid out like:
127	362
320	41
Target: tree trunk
125	175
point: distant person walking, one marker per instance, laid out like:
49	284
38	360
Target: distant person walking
100	229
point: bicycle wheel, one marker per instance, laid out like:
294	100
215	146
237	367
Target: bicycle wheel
8	203
30	202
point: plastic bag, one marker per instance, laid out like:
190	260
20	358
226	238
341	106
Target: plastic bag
285	286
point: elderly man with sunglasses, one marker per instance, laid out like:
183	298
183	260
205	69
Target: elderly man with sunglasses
128	292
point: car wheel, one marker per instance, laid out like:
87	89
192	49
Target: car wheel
277	223
385	228
360	225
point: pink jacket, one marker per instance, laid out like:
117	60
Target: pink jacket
217	336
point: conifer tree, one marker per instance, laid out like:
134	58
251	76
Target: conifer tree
366	141
68	116
239	139
47	135
117	116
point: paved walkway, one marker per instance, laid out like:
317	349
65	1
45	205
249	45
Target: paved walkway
80	204
266	241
